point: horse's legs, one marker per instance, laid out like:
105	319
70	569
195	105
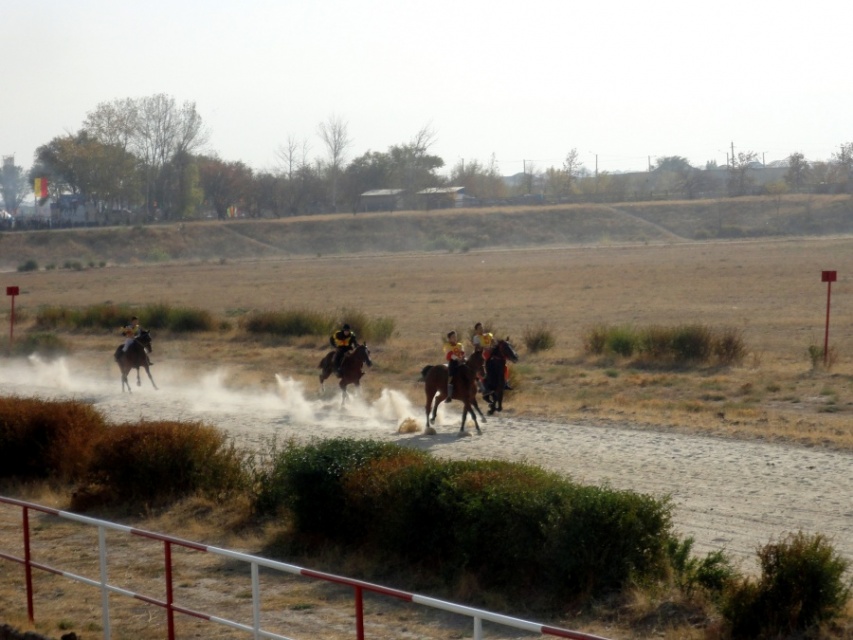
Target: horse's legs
474	416
148	371
138	379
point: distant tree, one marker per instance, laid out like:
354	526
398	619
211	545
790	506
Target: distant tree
843	161
225	184
13	184
777	189
739	177
106	175
483	181
564	183
412	166
299	178
676	164
163	132
182	179
335	136
798	171
114	123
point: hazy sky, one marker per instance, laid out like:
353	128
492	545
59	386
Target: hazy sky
525	81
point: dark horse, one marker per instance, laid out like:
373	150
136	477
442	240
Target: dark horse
496	374
136	356
464	389
351	369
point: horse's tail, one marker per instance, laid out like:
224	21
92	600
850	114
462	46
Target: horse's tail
424	372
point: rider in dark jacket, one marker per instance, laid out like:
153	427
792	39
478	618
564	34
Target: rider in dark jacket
342	342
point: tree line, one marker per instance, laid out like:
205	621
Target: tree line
149	155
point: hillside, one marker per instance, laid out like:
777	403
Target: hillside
444	231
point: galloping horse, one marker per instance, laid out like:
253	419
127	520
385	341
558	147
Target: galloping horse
496	374
133	358
464	389
351	369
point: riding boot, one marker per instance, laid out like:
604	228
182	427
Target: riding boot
449	393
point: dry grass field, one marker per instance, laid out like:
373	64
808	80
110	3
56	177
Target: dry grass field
769	288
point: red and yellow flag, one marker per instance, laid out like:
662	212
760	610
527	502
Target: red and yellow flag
40	188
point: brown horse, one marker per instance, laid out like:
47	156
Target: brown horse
496	374
464	389
136	356
351	369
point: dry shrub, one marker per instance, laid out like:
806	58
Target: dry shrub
802	585
47	438
157	462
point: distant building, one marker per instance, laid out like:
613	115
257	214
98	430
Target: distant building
380	200
444	198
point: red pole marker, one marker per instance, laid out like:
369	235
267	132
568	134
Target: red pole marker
12	291
828	277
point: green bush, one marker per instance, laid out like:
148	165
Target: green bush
801	585
682	344
106	317
622	341
539	338
504	523
46	438
111	317
29	265
176	319
655	342
156	462
691	343
713	573
288	323
306	480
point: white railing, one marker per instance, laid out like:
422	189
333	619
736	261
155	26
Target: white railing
255	562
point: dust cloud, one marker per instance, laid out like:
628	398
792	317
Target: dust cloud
283	409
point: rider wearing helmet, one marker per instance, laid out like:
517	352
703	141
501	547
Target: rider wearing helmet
342	342
454	353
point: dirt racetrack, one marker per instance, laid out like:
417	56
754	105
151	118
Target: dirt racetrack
728	494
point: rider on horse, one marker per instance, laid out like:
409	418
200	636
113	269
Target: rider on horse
454	353
131	332
483	343
342	342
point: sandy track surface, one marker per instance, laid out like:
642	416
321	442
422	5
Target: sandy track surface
728	494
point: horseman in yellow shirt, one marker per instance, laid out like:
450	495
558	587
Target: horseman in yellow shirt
342	342
454	353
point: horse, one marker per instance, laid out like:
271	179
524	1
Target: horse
133	358
351	369
496	374
464	389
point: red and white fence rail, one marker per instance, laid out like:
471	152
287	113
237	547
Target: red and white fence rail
255	563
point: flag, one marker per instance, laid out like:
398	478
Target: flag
40	188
